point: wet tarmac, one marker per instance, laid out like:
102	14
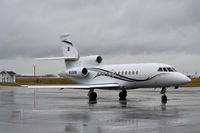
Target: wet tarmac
68	111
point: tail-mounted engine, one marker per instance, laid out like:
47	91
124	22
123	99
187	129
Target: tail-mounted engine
99	59
91	60
77	72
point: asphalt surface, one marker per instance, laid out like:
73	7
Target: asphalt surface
68	111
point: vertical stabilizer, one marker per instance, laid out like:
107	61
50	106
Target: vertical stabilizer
68	49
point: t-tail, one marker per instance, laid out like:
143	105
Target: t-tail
69	50
72	57
70	53
76	66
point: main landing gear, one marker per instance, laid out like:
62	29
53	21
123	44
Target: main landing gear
122	95
92	96
163	97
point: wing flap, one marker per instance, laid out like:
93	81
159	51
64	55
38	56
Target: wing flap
87	87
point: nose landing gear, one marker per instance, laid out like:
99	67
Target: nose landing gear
163	97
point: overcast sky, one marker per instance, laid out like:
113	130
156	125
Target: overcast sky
122	31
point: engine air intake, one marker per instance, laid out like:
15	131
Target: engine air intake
99	59
84	71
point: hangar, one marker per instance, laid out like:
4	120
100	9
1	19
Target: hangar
7	77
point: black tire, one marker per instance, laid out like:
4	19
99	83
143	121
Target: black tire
93	96
164	99
122	95
124	91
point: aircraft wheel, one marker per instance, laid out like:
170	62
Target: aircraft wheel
164	99
93	96
122	95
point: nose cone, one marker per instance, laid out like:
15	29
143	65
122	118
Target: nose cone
184	79
187	80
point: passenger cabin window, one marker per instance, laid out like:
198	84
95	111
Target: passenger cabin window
133	72
136	72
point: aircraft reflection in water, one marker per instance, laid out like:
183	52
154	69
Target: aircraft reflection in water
131	119
90	74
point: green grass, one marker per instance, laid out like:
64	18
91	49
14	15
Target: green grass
7	84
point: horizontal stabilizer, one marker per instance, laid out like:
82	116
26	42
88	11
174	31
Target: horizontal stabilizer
56	58
108	86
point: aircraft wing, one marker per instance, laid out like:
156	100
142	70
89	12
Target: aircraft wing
109	86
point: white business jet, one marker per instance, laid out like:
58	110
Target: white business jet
90	74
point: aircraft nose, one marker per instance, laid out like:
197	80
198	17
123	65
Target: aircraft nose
185	79
188	80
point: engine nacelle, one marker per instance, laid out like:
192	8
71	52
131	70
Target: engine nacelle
77	72
91	60
99	59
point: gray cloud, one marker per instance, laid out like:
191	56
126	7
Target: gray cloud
135	27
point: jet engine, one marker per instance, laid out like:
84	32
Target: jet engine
91	60
77	72
99	59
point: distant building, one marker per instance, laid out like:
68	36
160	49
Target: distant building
7	77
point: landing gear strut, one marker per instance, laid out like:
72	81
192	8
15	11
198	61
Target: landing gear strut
163	97
122	95
92	96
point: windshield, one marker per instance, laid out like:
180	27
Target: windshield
166	69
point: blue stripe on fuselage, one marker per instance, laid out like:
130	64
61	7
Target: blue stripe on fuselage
117	76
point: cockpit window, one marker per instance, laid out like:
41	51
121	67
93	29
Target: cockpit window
174	69
165	69
170	69
160	69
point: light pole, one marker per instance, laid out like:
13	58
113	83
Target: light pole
34	71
